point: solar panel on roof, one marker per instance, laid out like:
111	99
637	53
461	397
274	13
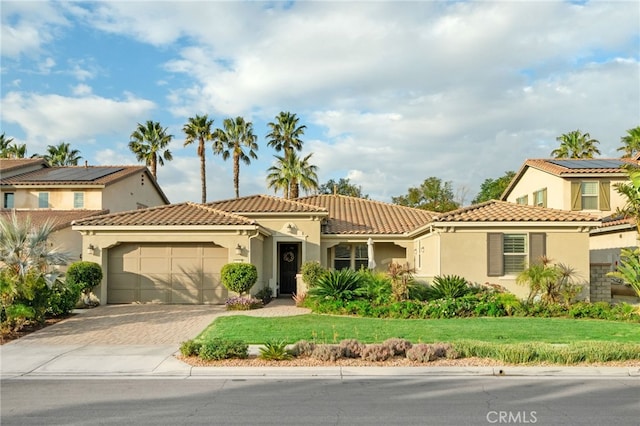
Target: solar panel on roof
74	174
589	164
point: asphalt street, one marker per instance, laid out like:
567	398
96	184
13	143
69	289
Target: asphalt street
436	400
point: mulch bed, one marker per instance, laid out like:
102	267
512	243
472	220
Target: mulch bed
29	328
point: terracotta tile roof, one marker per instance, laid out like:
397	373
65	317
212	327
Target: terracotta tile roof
502	211
8	164
264	204
190	214
548	165
61	218
351	215
618	219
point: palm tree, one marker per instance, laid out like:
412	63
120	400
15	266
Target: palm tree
631	143
199	129
149	142
61	155
237	134
285	136
576	144
5	143
289	169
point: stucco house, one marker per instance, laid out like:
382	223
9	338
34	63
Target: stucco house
586	185
30	187
174	253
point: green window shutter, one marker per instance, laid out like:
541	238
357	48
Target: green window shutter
604	198
576	196
544	197
495	255
537	247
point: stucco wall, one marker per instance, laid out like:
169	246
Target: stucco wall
127	193
464	253
535	180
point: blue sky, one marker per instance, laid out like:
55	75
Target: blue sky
391	92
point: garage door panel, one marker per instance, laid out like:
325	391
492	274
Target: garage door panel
166	273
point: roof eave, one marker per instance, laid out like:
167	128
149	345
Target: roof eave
163	228
519	224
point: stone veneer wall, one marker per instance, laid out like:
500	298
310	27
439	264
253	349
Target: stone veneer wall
600	288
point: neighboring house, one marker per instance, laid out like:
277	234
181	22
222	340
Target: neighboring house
174	253
30	187
586	185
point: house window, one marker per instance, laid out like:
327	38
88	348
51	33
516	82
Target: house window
540	198
507	254
43	200
589	195
523	200
515	253
78	200
8	200
350	256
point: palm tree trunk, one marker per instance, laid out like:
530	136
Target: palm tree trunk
236	174
203	177
295	189
154	165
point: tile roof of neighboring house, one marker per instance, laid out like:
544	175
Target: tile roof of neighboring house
351	215
60	218
264	204
185	214
9	164
563	168
502	211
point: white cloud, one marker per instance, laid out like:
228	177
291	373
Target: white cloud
47	119
81	90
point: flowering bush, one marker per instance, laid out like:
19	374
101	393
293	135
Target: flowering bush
239	303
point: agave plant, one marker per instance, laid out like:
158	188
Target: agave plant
344	284
448	286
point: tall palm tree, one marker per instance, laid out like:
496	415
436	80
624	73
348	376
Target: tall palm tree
149	143
230	141
292	168
5	144
285	136
631	143
576	144
16	151
62	155
198	128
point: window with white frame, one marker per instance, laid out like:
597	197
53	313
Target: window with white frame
350	256
515	253
78	200
540	198
589	195
523	200
43	200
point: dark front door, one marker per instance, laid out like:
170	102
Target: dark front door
289	263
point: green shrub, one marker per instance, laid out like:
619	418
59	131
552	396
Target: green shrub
275	351
337	285
16	316
239	277
84	274
311	272
418	291
63	298
217	349
448	286
190	348
376	286
239	303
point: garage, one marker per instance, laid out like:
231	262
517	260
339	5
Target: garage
174	273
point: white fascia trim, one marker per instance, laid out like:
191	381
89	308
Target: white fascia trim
365	237
532	224
616	228
170	228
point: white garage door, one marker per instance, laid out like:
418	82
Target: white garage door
181	273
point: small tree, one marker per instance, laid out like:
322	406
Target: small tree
401	276
239	277
85	275
311	272
629	268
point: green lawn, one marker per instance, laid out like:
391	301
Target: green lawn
332	329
